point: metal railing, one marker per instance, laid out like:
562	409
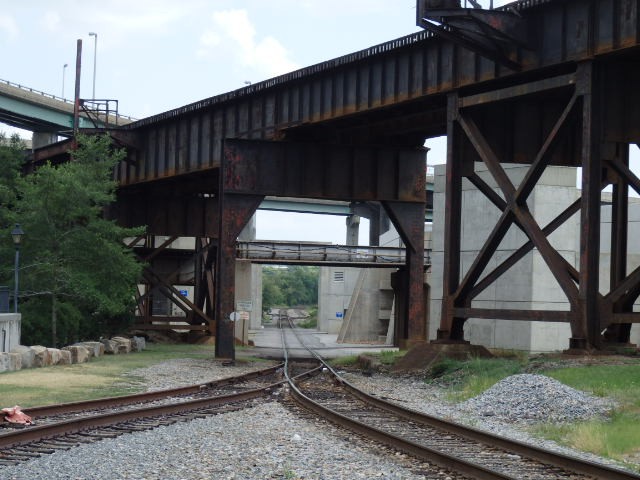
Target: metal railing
53	97
318	254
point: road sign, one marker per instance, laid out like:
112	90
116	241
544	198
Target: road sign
244	305
234	316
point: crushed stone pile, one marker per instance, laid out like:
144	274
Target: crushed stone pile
529	398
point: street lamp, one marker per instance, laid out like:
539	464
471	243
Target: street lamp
17	233
64	70
95	54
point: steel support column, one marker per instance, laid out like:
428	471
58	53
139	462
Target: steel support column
466	137
451	325
619	333
235	211
585	331
396	177
408	219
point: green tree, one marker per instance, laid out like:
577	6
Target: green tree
75	264
289	286
12	156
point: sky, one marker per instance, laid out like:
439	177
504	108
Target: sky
156	55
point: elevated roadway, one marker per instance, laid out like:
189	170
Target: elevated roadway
37	111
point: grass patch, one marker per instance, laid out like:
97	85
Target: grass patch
389	357
311	322
621	382
346	361
471	377
101	377
617	438
386	358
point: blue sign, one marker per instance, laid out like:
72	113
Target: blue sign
338	314
184	293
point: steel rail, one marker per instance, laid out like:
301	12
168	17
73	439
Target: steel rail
419	451
87	425
44	432
108	402
542	455
530	451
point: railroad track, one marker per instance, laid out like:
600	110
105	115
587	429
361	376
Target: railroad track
460	451
64	426
469	452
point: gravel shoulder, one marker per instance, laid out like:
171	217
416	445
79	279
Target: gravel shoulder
268	441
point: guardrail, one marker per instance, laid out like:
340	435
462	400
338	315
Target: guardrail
51	96
318	254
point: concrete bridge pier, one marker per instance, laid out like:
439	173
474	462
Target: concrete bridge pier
42	139
578	125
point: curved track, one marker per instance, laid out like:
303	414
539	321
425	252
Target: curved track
462	451
64	426
470	452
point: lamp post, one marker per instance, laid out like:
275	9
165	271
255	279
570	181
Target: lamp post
64	71
95	54
16	234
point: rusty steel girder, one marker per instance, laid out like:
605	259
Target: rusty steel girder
395	177
161	272
375	91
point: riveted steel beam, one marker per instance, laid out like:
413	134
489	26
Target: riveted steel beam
327	172
166	212
235	212
396	177
587	312
408	219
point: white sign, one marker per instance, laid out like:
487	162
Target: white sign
234	316
244	305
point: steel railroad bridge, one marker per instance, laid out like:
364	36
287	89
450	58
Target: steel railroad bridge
537	82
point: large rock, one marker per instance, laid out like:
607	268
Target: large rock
10	362
123	344
55	355
138	344
27	354
15	361
110	347
42	356
96	349
65	357
4	362
79	354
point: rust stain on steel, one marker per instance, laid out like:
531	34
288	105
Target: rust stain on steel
236	210
408	218
317	170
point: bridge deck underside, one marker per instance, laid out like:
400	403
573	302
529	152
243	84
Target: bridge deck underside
393	94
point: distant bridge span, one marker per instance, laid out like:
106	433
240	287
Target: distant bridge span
538	82
37	111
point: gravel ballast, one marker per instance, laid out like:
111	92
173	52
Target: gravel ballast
269	441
